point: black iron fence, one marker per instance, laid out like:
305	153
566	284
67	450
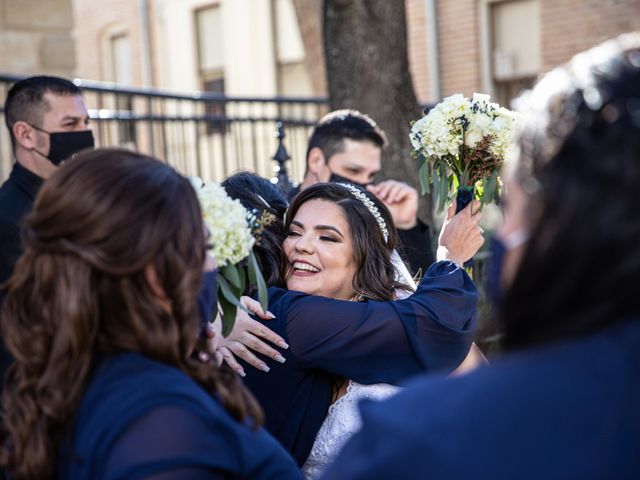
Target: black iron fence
206	134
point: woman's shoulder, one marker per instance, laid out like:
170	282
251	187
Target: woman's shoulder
525	377
125	386
134	400
121	374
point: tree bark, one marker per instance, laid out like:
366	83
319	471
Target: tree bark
309	15
367	67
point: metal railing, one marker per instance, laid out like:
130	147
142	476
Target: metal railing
206	134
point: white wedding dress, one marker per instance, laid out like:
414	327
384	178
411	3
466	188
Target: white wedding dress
342	421
343	418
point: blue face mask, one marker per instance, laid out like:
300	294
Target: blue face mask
208	298
499	250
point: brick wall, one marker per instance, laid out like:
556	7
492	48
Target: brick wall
418	48
459	46
571	26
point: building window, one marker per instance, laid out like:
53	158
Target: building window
292	74
515	47
211	63
122	73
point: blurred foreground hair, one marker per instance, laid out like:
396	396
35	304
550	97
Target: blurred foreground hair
80	291
580	166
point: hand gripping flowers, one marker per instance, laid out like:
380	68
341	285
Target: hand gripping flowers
231	239
461	145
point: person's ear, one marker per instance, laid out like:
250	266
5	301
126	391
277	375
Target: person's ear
316	163
151	276
24	134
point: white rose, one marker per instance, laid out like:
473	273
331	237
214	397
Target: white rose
473	136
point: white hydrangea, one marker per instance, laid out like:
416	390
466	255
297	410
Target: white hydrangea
440	133
226	219
504	127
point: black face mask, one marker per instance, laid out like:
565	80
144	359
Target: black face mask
64	145
335	178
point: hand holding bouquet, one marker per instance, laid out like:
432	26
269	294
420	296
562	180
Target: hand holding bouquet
461	145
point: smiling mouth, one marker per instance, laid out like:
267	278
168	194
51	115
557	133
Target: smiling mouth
303	268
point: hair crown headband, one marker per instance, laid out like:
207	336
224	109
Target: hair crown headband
360	195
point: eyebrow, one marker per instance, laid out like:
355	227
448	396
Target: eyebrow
359	168
319	227
74	118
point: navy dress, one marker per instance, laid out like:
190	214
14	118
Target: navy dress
564	411
143	419
368	342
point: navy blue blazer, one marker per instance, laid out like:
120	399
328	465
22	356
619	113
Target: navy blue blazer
564	411
369	342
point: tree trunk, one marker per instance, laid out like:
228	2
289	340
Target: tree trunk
367	66
309	15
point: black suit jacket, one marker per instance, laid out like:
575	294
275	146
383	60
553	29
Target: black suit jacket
16	200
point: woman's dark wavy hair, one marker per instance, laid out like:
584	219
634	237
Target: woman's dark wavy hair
375	278
259	195
80	291
580	165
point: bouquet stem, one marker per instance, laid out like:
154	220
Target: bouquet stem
464	196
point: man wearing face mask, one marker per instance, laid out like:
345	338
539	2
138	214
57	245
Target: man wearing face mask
48	123
346	146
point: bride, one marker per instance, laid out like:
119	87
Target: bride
339	245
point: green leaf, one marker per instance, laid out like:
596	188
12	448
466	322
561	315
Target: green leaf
444	190
232	274
229	293
256	278
437	193
423	174
228	315
490	188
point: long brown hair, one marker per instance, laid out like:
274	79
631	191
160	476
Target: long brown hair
375	277
80	291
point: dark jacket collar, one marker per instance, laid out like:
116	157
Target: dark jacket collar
26	180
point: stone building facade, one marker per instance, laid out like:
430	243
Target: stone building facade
36	37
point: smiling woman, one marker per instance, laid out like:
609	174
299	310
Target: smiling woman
339	245
335	245
320	251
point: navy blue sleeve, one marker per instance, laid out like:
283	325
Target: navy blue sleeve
374	342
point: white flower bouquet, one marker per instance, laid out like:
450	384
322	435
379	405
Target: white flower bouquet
231	239
461	145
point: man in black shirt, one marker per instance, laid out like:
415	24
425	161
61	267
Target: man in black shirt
346	146
48	123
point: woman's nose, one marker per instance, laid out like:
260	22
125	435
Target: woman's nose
304	244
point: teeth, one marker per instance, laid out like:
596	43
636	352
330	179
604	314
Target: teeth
305	266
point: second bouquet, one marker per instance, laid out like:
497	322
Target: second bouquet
461	145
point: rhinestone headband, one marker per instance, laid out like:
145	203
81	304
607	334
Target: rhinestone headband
356	192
